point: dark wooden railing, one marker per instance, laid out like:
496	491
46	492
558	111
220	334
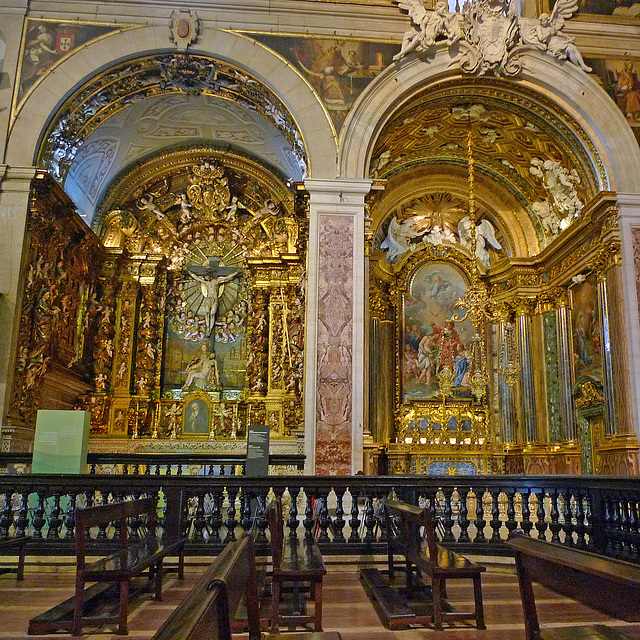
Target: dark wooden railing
344	513
162	464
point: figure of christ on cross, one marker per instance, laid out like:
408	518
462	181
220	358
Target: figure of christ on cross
211	280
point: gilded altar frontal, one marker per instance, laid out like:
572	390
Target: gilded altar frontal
404	236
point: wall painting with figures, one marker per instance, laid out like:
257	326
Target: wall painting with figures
587	332
338	69
428	307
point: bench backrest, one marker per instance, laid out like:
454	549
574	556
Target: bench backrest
409	524
606	584
273	513
114	512
207	611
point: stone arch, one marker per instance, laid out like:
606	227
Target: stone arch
242	51
570	89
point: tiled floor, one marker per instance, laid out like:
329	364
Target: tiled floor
346	607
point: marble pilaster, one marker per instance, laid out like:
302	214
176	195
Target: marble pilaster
335	349
15	188
527	386
569	427
629	225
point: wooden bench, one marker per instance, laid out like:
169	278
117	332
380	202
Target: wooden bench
139	553
208	610
608	585
410	533
17	545
293	562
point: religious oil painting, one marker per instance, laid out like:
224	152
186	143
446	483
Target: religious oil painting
197	416
47	42
337	69
587	331
621	8
620	79
431	338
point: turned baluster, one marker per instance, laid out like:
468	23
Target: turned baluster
479	519
215	520
463	519
448	520
55	521
231	517
354	523
324	519
339	522
245	511
526	525
38	516
511	523
6	517
541	525
554	525
69	517
292	523
495	516
308	515
199	521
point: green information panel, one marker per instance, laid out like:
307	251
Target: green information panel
61	442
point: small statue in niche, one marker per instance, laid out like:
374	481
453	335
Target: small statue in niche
203	366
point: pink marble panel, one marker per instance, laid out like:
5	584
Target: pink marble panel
335	346
635	235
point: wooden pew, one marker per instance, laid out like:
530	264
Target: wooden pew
406	526
608	585
17	545
208	610
132	558
293	562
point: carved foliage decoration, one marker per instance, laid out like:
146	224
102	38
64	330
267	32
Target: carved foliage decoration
58	313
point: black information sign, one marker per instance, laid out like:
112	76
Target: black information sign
258	450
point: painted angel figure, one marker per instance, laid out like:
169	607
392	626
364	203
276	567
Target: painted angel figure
546	33
428	25
485	239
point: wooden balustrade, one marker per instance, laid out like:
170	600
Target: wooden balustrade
475	513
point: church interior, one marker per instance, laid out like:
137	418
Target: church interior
402	235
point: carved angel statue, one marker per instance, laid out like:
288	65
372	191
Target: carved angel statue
400	234
485	239
545	33
428	25
560	184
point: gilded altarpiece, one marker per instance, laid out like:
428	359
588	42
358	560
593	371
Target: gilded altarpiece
57	324
182	321
207	249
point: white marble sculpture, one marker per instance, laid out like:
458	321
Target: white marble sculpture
488	34
485	239
559	183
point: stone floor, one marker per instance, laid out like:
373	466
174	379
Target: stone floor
346	606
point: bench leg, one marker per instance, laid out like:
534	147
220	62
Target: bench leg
21	554
124	607
390	564
181	564
76	628
436	588
318	605
159	580
477	594
275	605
